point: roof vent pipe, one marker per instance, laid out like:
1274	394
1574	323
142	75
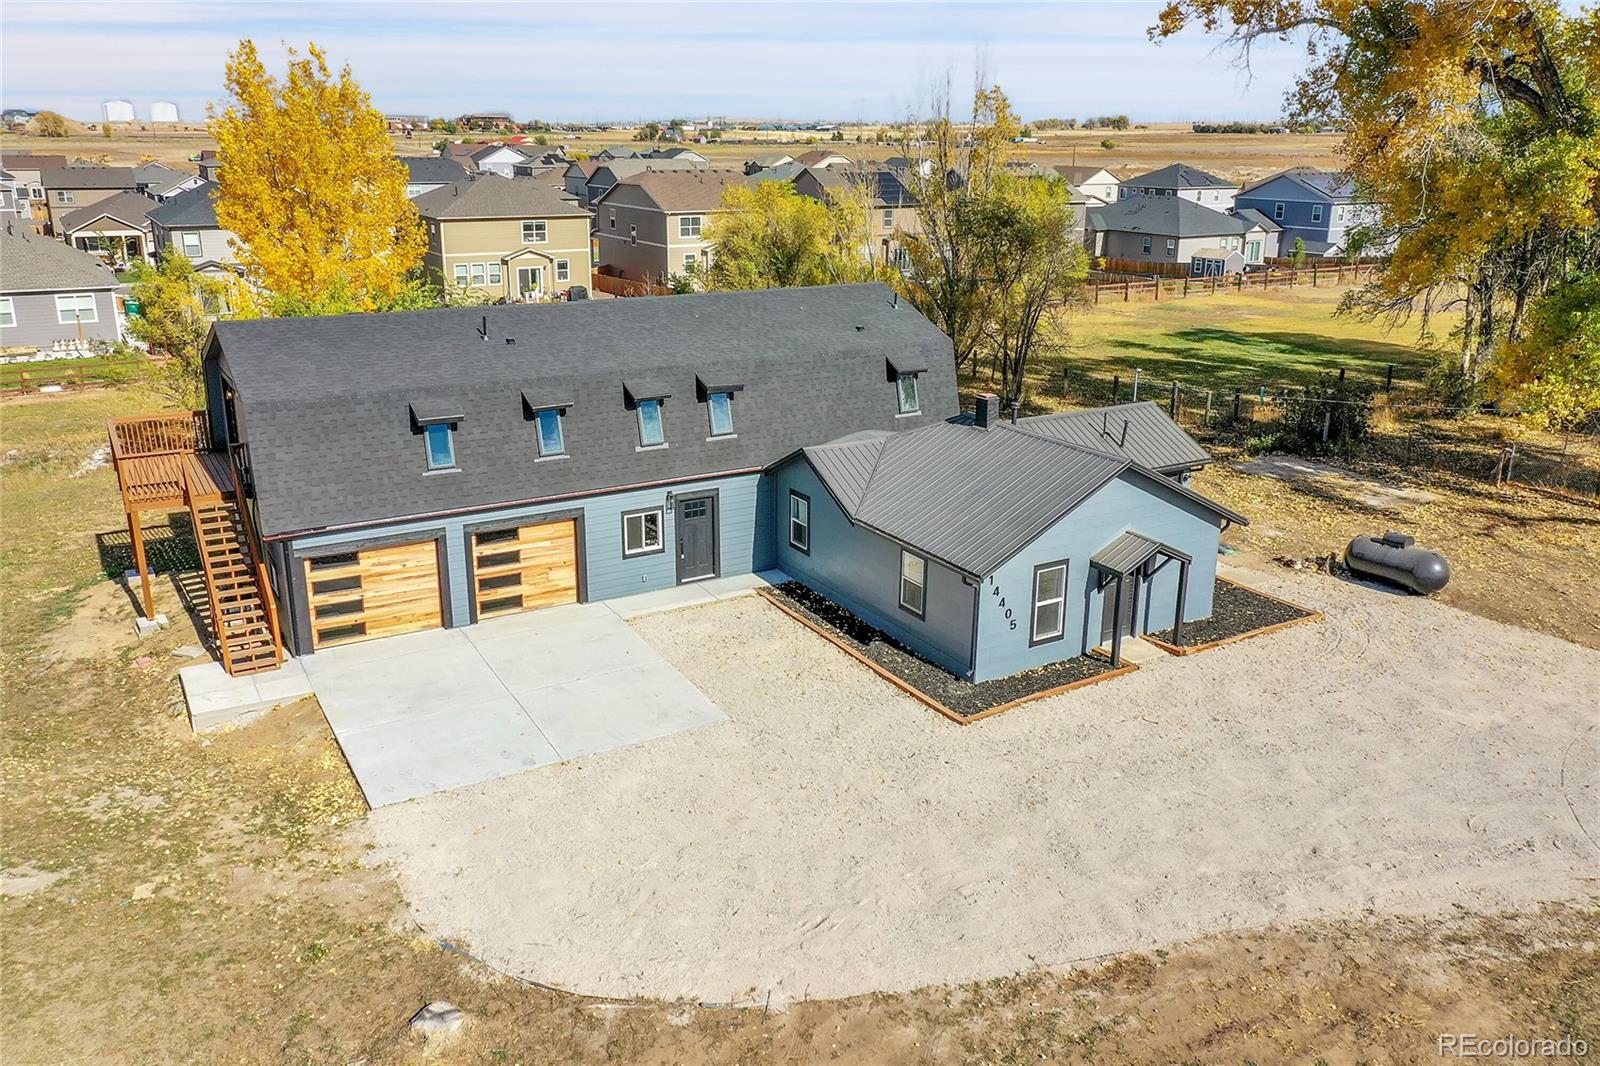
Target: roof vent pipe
483	330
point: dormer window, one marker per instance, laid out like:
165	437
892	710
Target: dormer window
534	232
550	440
440	438
906	388
651	432
719	405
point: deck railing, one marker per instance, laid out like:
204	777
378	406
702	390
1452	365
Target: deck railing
138	435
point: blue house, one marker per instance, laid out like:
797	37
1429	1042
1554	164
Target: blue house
989	547
433	468
1318	207
363	476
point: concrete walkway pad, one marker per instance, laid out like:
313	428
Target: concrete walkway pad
425	712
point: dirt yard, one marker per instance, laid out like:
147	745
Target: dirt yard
837	838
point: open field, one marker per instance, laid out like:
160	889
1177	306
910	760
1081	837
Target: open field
1240	156
172	898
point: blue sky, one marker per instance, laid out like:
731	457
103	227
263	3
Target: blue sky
618	61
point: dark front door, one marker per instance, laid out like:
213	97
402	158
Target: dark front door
1130	606
697	537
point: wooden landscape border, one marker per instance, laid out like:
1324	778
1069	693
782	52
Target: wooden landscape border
1195	649
916	693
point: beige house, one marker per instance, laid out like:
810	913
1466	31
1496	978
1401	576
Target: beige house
68	189
515	239
1095	183
652	225
891	208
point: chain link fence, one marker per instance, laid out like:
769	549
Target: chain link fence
1396	426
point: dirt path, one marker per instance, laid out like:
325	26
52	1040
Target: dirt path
836	838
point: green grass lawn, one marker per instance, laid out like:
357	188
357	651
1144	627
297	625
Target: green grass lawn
1240	341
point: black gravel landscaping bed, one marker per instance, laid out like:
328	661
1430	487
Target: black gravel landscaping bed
1235	611
961	697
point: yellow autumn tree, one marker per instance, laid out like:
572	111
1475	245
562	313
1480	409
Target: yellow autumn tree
310	185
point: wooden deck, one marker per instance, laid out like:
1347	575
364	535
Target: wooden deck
157	481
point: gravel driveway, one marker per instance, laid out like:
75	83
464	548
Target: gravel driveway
836	837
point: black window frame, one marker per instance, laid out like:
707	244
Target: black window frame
796	494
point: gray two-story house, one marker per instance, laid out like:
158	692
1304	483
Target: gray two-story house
1176	231
1185	183
1319	207
53	294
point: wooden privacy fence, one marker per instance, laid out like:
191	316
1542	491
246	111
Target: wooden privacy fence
1257	281
626	287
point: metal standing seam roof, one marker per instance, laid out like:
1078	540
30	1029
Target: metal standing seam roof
969	497
331	440
1152	439
1127	552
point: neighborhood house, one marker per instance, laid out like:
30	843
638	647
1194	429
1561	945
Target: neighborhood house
506	238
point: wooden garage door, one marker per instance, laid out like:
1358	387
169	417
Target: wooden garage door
377	592
525	568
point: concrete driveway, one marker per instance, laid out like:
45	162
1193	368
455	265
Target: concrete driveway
431	711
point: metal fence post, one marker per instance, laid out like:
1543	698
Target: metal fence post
1388	379
1116	384
1137	371
1208	408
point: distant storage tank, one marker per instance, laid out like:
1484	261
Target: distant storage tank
118	110
1394	558
163	111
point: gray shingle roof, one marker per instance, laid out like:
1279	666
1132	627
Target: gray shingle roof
1253	218
692	191
1151	439
1180	176
887	188
131	207
425	169
969	497
192	208
492	196
1164	216
1327	183
32	263
87	178
326	400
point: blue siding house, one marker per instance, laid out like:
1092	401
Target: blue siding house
1316	206
989	547
433	468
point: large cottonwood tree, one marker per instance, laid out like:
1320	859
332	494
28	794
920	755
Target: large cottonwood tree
310	185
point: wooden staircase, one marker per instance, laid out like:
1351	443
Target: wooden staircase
241	617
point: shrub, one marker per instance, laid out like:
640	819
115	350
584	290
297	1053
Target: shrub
1332	416
1108	144
1448	387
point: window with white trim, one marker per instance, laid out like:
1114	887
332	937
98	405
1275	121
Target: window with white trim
633	234
1145	244
8	312
613	220
549	436
800	521
913	583
1338	214
76	307
191	244
689	260
1049	602
479	273
1277	212
66	196
719	407
888	218
563	270
1172	248
1316	212
461	275
641	532
652	434
535	231
906	394
495	275
689	226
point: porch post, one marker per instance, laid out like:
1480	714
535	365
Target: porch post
1183	590
137	533
1116	624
